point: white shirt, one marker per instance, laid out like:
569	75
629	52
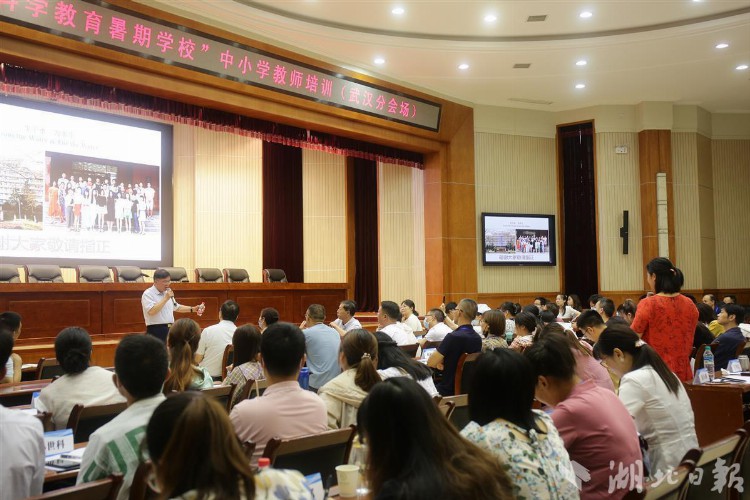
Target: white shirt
413	322
165	316
92	387
22	462
149	193
427	383
352	324
214	340
400	333
438	332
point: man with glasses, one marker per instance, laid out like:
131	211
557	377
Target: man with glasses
434	323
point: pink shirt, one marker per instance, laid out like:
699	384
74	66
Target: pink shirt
588	368
597	429
284	410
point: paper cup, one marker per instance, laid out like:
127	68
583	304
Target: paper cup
348	476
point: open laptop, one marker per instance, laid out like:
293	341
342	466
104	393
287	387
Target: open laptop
426	353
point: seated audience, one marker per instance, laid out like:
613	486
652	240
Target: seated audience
116	448
541	304
182	340
702	335
526	325
590	324
434	323
548	316
593	299
393	362
345	320
21	442
246	366
729	299
710	301
503	423
410	316
574	301
595	426
606	309
510	310
462	340
566	313
653	395
493	330
322	347
81	383
343	395
215	339
389	322
745	325
268	316
415	453
197	456
729	318
284	410
12	321
707	317
627	311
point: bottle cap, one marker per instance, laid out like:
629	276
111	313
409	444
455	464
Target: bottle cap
264	462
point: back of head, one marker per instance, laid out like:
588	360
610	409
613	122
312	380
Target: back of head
11	320
6	347
141	365
160	274
628	307
269	315
552	307
526	320
509	307
210	461
551	357
230	310
437	314
282	348
531	309
390	355
316	312
391	310
548	317
558	330
495	322
360	348
246	341
706	313
468	308
589	318
73	350
182	342
668	279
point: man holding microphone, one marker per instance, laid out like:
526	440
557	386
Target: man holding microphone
159	306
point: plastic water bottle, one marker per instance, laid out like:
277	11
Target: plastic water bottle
304	378
708	363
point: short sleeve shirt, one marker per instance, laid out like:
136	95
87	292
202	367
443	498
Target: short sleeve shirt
149	299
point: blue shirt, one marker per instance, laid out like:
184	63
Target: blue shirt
728	343
461	340
322	348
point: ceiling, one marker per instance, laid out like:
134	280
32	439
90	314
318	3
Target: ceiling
636	50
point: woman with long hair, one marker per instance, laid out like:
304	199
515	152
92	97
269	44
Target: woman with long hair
526	325
393	362
525	440
358	358
653	395
667	319
196	456
182	342
574	301
410	316
246	365
415	453
566	313
707	317
509	309
493	330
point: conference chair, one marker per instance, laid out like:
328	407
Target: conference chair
274	276
227	360
85	420
48	368
430	344
236	275
247	391
128	274
670	487
465	372
459	417
410	350
45	418
103	489
725	450
177	274
93	274
223	394
208	275
446	408
9	273
43	274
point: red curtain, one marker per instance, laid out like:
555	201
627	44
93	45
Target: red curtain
282	210
366	283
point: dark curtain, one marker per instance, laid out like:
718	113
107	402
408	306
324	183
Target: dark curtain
282	210
576	144
366	285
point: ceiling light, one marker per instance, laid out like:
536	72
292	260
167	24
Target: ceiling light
742	67
490	18
397	10
580	85
585	14
582	62
463	66
379	60
722	45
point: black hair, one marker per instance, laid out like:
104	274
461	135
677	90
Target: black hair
691	297
503	387
282	348
551	307
391	355
608	306
541	300
391	309
160	274
349	306
706	313
551	357
548	317
734	310
594	298
246	341
627	307
711	297
450	306
411	305
576	302
6	348
141	364
669	279
437	314
73	350
509	307
589	318
10	319
527	321
733	298
621	337
316	312
230	310
531	309
269	315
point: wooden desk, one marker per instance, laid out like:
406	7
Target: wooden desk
19	393
718	409
51	476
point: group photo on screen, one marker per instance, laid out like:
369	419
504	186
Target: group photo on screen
518	239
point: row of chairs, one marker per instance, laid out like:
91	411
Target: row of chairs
132	274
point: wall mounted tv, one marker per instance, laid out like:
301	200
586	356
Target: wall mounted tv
518	240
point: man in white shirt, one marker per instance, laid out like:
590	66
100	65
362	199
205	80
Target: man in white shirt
434	322
149	194
389	316
21	442
159	306
345	320
216	338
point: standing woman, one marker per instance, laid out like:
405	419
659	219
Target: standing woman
666	320
410	317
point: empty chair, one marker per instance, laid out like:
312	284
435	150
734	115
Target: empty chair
48	368
93	274
274	276
43	274
9	273
128	274
85	420
178	274
236	275
311	454
208	275
103	489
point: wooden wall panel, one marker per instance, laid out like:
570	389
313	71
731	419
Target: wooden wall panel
687	207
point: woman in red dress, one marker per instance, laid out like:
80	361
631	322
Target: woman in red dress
666	321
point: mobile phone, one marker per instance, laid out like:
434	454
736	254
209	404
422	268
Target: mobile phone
443	299
63	463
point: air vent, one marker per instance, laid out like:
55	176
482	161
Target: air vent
522	66
529	101
536	19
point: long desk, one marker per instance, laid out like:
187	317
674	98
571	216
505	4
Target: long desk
718	409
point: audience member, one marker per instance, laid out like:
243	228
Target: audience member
493	330
606	309
284	410
729	299
410	316
197	456
116	448
462	340
343	395
345	320
268	316
574	301
503	423
653	395
184	375
246	364
81	383
595	426
593	299
547	317
216	338
627	311
541	304
389	322
322	347
745	325
703	334
12	322
707	317
393	362
21	442
434	323
525	327
729	318
590	324
666	321
533	310
450	310
510	310
415	453
566	313
710	301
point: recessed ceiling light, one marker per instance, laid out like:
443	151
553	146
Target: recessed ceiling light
582	62
463	66
379	60
580	85
585	14
490	18
722	45
742	67
398	11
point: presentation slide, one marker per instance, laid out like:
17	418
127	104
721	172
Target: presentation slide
78	187
518	239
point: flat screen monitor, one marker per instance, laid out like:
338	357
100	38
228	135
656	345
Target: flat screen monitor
518	240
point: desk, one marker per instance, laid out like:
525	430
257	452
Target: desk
51	476
19	393
718	409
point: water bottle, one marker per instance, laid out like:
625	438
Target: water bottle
264	463
509	337
304	378
708	363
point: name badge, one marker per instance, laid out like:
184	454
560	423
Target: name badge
734	366
56	442
701	377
